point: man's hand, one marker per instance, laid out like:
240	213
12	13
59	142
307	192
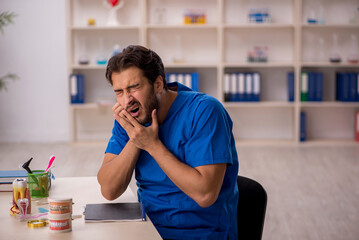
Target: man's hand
143	137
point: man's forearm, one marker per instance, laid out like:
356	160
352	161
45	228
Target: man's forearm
116	171
202	184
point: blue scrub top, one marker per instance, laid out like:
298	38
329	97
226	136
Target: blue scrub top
198	131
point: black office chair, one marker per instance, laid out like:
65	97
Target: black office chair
251	211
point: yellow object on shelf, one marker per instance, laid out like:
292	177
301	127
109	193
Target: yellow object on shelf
91	22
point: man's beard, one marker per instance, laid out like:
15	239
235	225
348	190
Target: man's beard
149	106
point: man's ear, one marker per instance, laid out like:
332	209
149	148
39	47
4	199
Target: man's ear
158	84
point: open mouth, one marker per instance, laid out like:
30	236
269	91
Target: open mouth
135	110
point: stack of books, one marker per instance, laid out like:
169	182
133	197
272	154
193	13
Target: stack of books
8	176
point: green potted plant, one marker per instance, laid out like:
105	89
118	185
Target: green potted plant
6	18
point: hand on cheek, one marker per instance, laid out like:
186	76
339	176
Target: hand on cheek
116	109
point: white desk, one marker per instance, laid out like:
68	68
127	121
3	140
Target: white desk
82	190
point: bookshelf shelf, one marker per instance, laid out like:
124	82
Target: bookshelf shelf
262	104
220	46
90	66
331	26
181	26
329	104
92	105
190	65
330	65
101	28
328	142
258	65
258	26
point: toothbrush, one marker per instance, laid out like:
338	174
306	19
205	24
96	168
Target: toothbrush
52	158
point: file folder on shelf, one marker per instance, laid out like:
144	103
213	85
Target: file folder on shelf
77	88
256	87
290	84
347	87
234	88
357	126
241	87
304	87
318	87
311	86
190	80
227	87
303	133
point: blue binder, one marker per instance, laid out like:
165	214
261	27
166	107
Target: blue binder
311	86
77	88
233	96
353	87
345	79
256	79
241	87
195	81
338	85
303	135
227	87
318	95
290	85
182	79
248	92
304	87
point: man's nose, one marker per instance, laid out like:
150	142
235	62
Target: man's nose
128	98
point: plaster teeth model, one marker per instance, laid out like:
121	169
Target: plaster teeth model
19	186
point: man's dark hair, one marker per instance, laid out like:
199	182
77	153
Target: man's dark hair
137	56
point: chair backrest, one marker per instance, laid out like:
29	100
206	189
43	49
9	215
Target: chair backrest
252	205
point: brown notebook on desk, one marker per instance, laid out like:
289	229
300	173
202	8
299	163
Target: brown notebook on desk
108	212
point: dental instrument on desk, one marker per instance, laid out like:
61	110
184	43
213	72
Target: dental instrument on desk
26	165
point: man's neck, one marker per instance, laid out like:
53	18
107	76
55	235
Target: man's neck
166	101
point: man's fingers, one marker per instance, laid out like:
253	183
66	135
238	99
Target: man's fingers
115	107
154	119
123	121
129	118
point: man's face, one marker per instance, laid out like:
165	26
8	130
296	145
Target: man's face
135	94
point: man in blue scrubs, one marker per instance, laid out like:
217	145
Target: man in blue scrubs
181	146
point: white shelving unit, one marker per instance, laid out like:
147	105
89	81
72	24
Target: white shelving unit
328	121
220	46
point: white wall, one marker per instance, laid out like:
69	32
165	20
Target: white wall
35	107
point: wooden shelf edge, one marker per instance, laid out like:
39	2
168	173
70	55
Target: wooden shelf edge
268	142
181	26
93	105
189	65
259	65
100	28
324	26
329	64
88	67
326	142
329	104
260	104
258	25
